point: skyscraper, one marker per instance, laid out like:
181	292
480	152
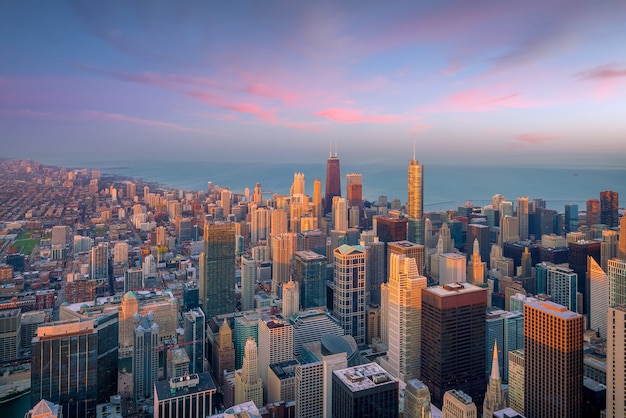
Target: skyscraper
310	273
248	383
609	202
476	268
193	324
223	352
598	297
145	357
453	338
99	262
291	298
480	233
275	345
617	282
333	182
415	204
616	362
553	336
283	248
416	400
593	212
217	285
64	367
622	238
340	213
354	186
522	216
494	398
571	217
317	200
349	294
404	317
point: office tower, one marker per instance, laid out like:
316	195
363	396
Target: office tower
349	294
509	229
364	391
129	308
275	345
617	282
516	380
615	362
310	273
183	229
522	216
354	192
416	400
120	252
99	262
622	238
333	182
571	217
372	323
562	286
260	224
282	382
608	248
195	337
309	390
133	279
64	367
248	282
291	298
480	233
187	396
405	317
340	213
317	200
145	357
60	235
10	334
593	212
283	248
506	329
578	253
330	363
453	338
494	398
458	404
107	328
553	336
476	268
279	222
297	187
415	204
390	229
248	383
409	249
257	194
223	352
609	202
598	297
429	242
452	268
375	264
149	268
217	284
246	326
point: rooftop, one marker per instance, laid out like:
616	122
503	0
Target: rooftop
185	385
363	377
553	309
454	288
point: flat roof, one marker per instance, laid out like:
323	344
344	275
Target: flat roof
364	377
204	384
310	255
454	288
553	309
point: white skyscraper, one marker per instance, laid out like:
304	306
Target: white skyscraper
260	221
349	295
599	296
340	213
275	338
248	383
291	298
404	317
283	248
615	363
248	282
617	282
297	186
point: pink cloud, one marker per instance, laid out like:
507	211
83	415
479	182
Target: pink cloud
536	138
117	117
477	101
418	129
357	116
603	72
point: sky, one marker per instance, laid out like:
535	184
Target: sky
532	82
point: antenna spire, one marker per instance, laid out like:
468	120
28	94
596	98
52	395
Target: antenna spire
330	154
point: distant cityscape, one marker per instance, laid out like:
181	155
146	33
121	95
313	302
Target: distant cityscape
121	297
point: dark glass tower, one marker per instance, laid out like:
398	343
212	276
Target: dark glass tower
609	201
217	287
310	273
333	182
453	340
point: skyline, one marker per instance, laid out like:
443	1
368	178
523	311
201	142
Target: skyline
513	83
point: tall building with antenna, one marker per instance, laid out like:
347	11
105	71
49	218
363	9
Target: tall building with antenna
333	181
415	205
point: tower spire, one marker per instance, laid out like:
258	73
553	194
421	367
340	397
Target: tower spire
495	366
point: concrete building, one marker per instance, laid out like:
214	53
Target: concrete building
553	335
10	334
616	362
416	400
281	381
457	404
217	267
366	390
223	352
186	396
145	357
248	282
248	383
283	248
309	390
349	294
275	345
516	380
599	297
452	268
409	249
291	298
309	326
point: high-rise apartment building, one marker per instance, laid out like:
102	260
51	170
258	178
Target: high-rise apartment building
10	334
318	208
333	182
217	284
404	321
598	297
349	294
593	212
60	235
364	391
506	329
453	338
616	362
195	336
571	217
248	383
283	248
291	298
390	229
409	249
553	368
260	224
99	262
516	380
617	282
609	248
522	216
145	357
309	390
275	345
562	286
340	213
415	204
609	202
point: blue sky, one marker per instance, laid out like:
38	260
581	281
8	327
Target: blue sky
514	82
